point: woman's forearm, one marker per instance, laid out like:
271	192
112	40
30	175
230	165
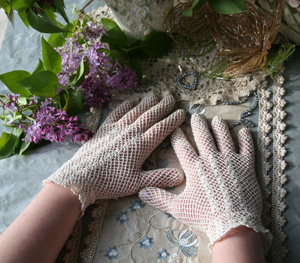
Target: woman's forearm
241	244
42	229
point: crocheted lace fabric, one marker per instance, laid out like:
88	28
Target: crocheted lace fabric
160	76
221	190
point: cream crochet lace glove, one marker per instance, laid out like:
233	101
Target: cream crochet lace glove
109	165
221	190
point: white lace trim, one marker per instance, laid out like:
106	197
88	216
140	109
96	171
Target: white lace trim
91	240
274	205
279	251
264	153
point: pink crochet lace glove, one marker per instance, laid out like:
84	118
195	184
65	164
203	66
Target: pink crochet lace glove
221	190
109	165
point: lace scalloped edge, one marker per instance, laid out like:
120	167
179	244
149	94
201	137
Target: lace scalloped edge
273	209
279	251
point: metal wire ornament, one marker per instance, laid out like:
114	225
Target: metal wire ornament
245	122
179	80
243	39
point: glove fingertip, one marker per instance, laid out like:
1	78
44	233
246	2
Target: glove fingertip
143	194
196	117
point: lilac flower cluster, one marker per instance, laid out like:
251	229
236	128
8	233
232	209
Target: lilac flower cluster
104	73
43	120
54	125
12	102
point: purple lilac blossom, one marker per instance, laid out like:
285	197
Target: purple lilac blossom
123	78
94	92
12	102
10	121
104	73
54	125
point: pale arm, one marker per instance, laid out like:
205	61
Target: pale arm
241	244
41	230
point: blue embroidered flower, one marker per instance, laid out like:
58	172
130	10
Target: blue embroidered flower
185	241
171	188
163	254
136	204
162	163
169	215
111	253
146	242
122	217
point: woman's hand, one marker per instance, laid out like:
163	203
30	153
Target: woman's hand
109	165
221	190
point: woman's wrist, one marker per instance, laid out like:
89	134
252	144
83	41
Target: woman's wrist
241	244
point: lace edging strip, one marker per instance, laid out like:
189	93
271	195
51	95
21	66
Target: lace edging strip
279	251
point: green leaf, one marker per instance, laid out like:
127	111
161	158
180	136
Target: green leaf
56	40
17	116
7	145
43	24
23	16
49	11
197	4
114	54
76	96
60	7
25	147
11	17
83	70
40	67
227	7
42	84
68	103
156	43
115	36
135	50
18	133
52	59
72	101
11	79
21	4
108	23
5	5
137	68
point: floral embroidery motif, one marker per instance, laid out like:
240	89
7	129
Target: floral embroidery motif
162	163
122	217
151	164
137	18
146	242
163	254
171	188
185	241
141	11
111	253
169	215
136	204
